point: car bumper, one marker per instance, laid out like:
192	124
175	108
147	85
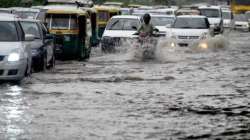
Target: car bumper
241	28
13	70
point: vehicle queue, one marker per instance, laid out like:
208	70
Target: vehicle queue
32	38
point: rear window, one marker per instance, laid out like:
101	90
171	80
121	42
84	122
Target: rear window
161	21
103	16
210	13
8	32
123	24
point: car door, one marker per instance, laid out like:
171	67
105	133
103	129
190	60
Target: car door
47	42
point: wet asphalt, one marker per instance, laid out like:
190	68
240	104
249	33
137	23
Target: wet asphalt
188	95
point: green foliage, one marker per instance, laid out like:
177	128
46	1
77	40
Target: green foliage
9	3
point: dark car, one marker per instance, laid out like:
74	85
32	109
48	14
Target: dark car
42	47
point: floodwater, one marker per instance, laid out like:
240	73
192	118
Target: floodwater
186	94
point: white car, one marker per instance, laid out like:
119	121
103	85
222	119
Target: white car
188	29
120	28
241	23
166	11
214	15
227	18
15	53
160	22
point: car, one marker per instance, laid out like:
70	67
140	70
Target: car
241	23
126	11
187	11
160	22
227	16
15	53
214	15
42	48
5	10
188	29
165	11
119	28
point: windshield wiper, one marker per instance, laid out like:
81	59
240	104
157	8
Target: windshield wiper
111	27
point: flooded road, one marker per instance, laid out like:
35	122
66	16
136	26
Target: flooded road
189	95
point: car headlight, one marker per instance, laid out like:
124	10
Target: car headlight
13	57
203	45
172	44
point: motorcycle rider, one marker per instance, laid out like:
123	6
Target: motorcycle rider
146	28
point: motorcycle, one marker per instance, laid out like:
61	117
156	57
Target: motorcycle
146	46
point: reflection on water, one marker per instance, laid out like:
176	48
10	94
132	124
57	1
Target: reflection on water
12	111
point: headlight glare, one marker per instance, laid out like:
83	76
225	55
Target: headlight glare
13	57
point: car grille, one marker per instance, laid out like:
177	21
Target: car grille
183	45
188	37
1	58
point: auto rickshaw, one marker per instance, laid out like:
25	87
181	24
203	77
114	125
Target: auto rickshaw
71	31
104	13
93	20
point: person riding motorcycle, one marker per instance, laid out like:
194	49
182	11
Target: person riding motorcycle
146	29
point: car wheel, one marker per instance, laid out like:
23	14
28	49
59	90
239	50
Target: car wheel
44	63
27	70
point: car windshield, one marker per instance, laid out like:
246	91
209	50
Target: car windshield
31	28
191	23
226	15
26	14
161	21
210	13
240	17
8	31
123	24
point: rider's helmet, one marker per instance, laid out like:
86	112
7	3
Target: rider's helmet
146	18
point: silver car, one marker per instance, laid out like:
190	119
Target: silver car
15	54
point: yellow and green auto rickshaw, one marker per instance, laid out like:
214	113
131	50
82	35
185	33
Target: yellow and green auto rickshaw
71	30
104	13
93	21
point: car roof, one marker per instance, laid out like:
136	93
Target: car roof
127	17
30	20
8	17
210	7
191	16
155	15
25	9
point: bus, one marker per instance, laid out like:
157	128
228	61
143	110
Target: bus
240	6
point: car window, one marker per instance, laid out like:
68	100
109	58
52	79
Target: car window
31	28
123	24
211	13
191	23
226	15
161	21
8	31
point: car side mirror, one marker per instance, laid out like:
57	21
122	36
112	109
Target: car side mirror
156	30
29	37
168	26
134	27
49	36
